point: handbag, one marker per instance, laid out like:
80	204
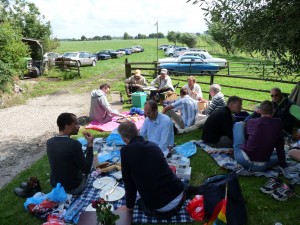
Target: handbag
213	190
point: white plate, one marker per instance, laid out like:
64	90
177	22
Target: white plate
90	208
117	194
104	183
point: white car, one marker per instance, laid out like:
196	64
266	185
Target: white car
204	55
170	51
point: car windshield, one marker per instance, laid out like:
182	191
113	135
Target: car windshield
207	56
70	54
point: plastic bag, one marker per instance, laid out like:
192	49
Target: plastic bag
114	138
58	194
37	199
187	149
195	208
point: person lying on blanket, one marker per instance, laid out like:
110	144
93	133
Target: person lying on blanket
67	162
188	110
217	130
100	109
255	141
145	171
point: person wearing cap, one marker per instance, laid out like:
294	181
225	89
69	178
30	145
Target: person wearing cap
254	141
194	90
100	109
218	100
135	83
163	83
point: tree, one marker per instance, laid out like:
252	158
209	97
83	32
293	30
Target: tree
171	36
269	28
126	36
189	39
160	35
83	38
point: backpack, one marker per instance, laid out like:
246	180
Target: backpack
213	190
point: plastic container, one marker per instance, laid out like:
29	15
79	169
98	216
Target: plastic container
139	99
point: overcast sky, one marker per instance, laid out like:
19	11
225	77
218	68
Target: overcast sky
74	18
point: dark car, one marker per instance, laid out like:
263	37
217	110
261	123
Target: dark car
112	53
102	56
126	51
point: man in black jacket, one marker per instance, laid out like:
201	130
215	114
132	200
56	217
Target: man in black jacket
217	130
145	171
67	162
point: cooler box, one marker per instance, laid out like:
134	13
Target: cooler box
139	99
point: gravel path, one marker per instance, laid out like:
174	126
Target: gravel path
24	129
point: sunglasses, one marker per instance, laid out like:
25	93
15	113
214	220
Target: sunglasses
274	95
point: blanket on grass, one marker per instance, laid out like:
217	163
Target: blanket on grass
224	158
79	204
112	125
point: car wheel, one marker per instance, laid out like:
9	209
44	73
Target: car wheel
94	63
78	64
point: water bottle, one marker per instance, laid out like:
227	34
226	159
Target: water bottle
121	97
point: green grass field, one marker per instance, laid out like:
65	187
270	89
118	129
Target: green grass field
262	209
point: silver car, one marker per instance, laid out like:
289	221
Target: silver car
80	58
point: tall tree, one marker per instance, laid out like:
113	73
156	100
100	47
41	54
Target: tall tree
126	36
270	28
189	39
171	36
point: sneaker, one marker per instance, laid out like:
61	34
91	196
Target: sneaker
271	185
283	193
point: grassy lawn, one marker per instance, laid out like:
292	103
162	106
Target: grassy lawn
262	209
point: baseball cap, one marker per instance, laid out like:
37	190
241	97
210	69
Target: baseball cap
164	71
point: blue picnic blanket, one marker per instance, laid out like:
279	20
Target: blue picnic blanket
90	194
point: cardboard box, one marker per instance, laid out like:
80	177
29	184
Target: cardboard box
186	175
202	106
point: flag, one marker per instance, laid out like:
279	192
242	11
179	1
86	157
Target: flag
219	215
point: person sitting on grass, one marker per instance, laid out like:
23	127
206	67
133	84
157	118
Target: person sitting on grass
194	90
218	100
135	83
68	164
255	141
217	130
188	110
146	171
100	109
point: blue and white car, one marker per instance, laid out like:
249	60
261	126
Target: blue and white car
190	64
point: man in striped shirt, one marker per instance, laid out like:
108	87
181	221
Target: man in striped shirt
218	100
188	110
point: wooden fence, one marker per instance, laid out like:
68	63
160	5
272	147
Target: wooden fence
66	64
150	69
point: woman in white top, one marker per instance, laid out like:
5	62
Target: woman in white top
194	90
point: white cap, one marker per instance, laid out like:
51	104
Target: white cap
164	71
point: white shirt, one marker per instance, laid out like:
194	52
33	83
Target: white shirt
196	89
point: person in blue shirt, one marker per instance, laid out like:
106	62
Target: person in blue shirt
157	128
188	110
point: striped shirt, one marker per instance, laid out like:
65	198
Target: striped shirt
188	108
218	101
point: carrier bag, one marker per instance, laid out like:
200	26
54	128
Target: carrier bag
213	190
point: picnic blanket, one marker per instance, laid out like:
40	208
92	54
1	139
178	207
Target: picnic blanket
112	125
224	158
80	203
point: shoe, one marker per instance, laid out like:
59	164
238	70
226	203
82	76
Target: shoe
271	185
283	193
28	189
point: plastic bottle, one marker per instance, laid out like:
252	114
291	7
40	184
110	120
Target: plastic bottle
121	97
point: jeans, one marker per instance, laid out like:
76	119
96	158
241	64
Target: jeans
241	157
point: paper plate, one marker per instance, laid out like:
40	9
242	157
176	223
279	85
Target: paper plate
104	183
90	208
117	194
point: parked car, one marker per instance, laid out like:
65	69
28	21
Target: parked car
190	64
134	49
81	58
126	50
49	58
170	51
113	54
162	47
102	56
141	49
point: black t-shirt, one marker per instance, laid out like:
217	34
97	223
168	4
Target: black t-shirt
144	169
67	161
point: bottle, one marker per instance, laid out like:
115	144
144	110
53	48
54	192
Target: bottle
121	97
